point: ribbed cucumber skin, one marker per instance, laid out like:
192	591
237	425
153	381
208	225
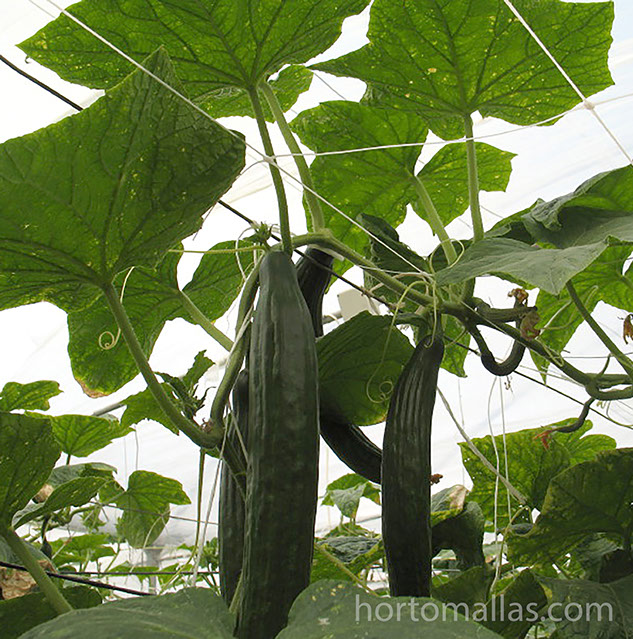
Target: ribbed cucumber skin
232	510
314	275
283	451
406	471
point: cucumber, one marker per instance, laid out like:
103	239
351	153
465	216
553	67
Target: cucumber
314	274
231	511
283	452
406	471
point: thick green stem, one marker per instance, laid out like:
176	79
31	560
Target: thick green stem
50	590
314	205
623	360
203	321
434	220
473	181
182	423
284	220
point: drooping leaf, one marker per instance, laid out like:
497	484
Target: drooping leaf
547	269
359	363
23	613
531	466
339	610
463	534
28	452
146	506
189	613
215	44
82	435
445	60
32	396
591	497
607	609
386	184
601	281
356	553
524	593
447	503
288	86
74	214
445	177
345	493
75	492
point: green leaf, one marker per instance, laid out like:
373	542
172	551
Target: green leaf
215	44
289	85
445	177
82	435
531	466
356	553
547	269
23	613
28	452
190	613
607	609
339	610
603	280
63	474
469	587
81	549
523	593
599	209
448	502
386	184
73	216
201	364
32	396
463	534
146	506
345	493
359	363
594	554
446	60
592	497
76	492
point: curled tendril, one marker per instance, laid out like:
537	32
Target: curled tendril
113	340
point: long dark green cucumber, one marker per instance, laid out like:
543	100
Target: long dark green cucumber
406	471
232	511
353	448
283	449
347	441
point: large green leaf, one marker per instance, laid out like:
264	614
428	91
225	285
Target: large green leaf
547	269
339	610
151	297
32	396
469	587
28	452
189	614
531	466
345	493
215	44
446	59
591	497
386	184
599	209
145	506
601	281
111	187
75	492
359	364
23	613
590	610
82	435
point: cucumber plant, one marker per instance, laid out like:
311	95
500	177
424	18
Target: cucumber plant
93	213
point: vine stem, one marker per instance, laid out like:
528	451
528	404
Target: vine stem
434	220
204	322
314	205
182	423
50	590
473	181
623	360
284	219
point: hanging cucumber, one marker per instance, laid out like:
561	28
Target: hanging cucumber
231	515
347	441
283	449
406	471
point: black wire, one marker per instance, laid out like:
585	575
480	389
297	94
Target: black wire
41	84
79	580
